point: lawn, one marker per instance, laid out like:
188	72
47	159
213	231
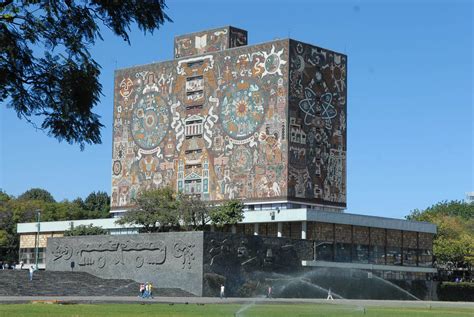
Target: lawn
263	310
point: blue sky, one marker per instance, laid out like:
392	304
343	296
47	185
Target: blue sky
410	97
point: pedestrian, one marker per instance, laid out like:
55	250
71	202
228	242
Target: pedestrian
222	291
31	269
21	265
147	290
269	293
329	295
150	290
142	290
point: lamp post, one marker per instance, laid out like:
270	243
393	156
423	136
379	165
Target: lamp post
38	215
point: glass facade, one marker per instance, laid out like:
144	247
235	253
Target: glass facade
28	256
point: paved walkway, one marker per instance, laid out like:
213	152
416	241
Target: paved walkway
231	300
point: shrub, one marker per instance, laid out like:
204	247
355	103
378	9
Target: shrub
450	291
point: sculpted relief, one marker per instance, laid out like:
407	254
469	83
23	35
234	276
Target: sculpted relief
129	253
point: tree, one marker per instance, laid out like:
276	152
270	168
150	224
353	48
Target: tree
83	230
156	211
454	241
97	201
195	213
37	194
229	213
61	86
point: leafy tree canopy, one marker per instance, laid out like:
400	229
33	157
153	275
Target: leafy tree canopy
37	194
84	230
97	201
195	213
47	74
162	209
454	242
156	210
15	210
230	212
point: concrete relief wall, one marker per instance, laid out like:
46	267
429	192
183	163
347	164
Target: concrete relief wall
211	125
317	124
247	264
168	260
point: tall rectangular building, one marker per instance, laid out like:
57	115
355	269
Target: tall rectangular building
264	123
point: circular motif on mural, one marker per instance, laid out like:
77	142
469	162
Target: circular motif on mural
241	160
150	120
272	63
117	167
242	110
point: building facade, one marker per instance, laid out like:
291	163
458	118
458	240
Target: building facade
265	124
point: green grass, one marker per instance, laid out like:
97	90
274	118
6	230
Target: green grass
260	310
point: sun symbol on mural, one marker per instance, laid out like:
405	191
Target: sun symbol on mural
273	62
150	120
242	109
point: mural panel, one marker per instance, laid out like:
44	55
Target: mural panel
212	125
209	41
317	124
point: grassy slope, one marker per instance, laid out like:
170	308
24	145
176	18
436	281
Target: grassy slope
150	310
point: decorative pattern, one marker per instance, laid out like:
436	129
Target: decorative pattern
263	122
317	110
242	110
212	125
150	122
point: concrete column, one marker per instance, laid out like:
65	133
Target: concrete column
233	229
280	229
303	229
255	229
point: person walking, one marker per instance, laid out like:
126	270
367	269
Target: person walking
150	290
31	270
147	290
142	290
222	294
329	295
269	293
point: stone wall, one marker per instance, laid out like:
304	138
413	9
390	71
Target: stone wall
244	263
168	260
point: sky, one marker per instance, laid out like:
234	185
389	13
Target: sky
410	97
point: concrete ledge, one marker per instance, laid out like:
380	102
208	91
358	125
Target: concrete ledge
363	266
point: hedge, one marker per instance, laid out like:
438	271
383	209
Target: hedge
450	291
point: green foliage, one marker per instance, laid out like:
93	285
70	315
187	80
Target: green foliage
454	241
156	210
161	210
37	194
194	212
23	209
84	230
230	212
453	208
97	201
450	291
61	86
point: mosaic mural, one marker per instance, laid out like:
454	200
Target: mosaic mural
255	123
317	124
212	125
209	41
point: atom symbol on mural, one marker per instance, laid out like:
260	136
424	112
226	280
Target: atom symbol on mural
309	105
